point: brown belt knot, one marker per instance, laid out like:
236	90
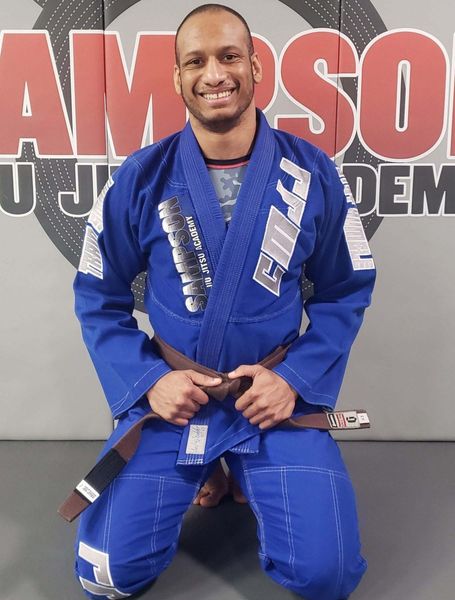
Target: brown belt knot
228	387
96	481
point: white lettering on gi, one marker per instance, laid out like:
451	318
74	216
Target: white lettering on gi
282	231
96	214
91	259
356	240
102	573
197	439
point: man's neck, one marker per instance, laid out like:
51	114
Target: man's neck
222	145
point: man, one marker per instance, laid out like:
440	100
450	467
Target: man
223	288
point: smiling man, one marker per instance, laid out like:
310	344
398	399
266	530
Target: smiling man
215	74
225	216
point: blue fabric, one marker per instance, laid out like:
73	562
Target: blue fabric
160	214
297	486
225	298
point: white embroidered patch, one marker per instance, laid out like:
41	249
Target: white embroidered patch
358	247
104	585
96	214
91	259
357	242
197	439
297	199
281	233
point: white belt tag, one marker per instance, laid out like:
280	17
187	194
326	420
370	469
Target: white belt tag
87	491
345	419
197	439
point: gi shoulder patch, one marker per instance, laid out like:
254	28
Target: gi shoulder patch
91	261
356	240
96	214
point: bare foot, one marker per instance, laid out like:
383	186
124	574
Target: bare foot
236	490
214	489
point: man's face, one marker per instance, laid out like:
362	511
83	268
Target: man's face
216	75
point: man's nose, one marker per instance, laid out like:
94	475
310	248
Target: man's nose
214	72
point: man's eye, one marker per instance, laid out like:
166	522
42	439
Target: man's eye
194	62
230	57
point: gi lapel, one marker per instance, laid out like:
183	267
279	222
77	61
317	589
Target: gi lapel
202	192
228	258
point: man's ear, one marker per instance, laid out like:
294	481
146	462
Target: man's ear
256	67
177	80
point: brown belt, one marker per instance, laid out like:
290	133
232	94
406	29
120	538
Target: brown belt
97	480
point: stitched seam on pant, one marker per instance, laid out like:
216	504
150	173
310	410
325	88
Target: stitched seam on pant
254	505
339	535
283	581
287	512
107	524
155	524
147	476
198	486
299	468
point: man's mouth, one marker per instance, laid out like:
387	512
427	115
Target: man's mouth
211	96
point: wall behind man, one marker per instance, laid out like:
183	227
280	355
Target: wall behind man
399	368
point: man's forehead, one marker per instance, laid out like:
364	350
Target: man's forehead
226	30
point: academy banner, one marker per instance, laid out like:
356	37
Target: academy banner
76	107
372	83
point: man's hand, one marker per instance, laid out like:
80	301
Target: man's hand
269	400
176	397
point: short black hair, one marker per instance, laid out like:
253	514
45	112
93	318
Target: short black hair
215	8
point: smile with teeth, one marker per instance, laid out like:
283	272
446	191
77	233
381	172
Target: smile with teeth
224	94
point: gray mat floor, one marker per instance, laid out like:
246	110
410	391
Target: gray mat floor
406	504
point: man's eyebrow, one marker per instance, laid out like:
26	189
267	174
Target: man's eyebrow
230	48
201	52
191	53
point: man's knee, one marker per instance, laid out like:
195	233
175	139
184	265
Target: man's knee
114	575
317	578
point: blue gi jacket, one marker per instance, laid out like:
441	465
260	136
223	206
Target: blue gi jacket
224	297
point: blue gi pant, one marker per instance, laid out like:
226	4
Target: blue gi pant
297	486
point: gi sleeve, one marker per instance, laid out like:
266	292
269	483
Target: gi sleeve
342	272
123	356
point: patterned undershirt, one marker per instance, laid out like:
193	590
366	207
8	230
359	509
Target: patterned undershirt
227	177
